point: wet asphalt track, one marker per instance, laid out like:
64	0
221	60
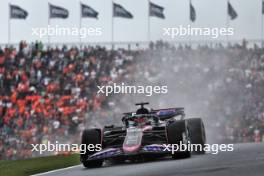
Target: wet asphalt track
245	160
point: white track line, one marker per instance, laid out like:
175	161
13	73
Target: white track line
52	171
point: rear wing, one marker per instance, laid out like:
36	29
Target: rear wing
164	114
168	113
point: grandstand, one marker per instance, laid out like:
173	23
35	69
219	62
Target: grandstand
51	94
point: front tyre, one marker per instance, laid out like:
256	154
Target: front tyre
90	136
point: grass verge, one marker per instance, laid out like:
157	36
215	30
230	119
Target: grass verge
36	165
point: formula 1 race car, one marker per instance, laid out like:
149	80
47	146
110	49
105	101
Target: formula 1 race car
144	134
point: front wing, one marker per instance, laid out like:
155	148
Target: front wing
154	149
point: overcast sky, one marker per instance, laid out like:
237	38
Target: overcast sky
210	13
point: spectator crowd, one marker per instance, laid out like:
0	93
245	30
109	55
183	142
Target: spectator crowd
51	94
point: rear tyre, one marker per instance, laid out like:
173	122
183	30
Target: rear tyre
90	136
197	133
177	133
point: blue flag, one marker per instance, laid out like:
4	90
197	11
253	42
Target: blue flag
58	12
87	11
262	7
192	13
156	10
119	11
17	12
231	11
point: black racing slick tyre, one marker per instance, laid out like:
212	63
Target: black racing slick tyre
197	133
90	136
177	132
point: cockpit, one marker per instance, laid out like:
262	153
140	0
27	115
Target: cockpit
142	117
